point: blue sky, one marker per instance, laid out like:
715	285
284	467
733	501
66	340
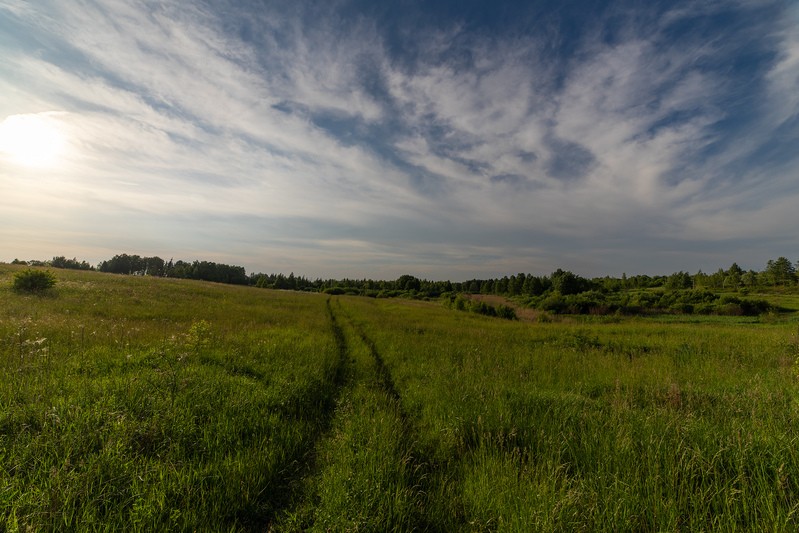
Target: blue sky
448	140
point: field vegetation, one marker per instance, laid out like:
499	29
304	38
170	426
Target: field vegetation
144	403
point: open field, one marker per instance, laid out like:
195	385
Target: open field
135	403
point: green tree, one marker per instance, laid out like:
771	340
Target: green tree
501	285
679	280
62	262
717	279
780	271
566	282
749	279
733	276
406	282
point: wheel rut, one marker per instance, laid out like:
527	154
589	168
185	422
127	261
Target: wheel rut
303	464
421	466
360	364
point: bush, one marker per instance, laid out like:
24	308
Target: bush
756	307
554	303
506	312
33	280
482	308
334	291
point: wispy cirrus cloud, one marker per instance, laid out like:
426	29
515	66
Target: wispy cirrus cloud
311	128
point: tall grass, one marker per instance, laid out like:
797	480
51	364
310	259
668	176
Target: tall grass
158	404
637	425
152	404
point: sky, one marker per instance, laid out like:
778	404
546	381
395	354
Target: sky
443	139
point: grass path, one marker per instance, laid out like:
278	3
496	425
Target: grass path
366	475
307	461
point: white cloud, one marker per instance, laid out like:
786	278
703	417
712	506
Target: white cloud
784	76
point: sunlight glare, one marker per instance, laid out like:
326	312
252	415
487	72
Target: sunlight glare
31	140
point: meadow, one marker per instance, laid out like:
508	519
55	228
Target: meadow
141	403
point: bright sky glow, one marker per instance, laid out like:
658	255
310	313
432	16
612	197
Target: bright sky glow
31	140
443	139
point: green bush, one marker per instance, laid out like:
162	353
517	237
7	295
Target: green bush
506	312
334	291
33	280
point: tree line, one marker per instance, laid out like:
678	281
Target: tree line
154	266
780	272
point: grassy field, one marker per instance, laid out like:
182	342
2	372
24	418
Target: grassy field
135	403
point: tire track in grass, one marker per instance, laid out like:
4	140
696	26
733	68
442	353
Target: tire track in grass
420	466
365	473
341	377
306	460
383	373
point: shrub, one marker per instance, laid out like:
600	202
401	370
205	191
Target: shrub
756	307
482	308
33	280
554	303
506	312
334	291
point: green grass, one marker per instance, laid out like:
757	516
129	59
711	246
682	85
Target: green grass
158	404
154	404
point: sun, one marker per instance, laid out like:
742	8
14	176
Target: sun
31	140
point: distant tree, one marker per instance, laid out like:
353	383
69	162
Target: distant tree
566	282
406	282
501	286
610	284
732	279
717	279
535	286
780	271
280	282
515	284
679	280
123	264
699	280
489	286
179	269
749	279
154	266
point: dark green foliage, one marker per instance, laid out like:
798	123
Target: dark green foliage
561	292
781	272
566	282
554	303
155	266
479	307
482	308
31	280
334	291
506	312
73	264
217	272
408	283
679	280
133	264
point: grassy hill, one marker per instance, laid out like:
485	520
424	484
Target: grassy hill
157	404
